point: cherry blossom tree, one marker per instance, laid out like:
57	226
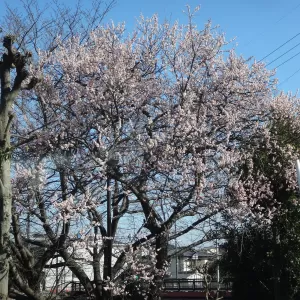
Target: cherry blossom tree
153	120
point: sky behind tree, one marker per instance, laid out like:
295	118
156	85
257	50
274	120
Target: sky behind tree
259	27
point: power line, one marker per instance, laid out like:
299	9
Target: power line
283	54
287	60
276	22
280	46
289	77
292	10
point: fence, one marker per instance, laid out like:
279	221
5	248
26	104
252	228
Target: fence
194	285
178	285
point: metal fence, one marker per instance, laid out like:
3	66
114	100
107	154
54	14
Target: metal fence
194	285
178	285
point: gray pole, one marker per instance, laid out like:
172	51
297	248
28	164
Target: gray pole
218	269
109	234
176	257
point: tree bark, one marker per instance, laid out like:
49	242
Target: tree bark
9	92
77	270
161	248
5	216
97	278
5	184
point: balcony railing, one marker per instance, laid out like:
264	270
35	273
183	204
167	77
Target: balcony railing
194	285
177	285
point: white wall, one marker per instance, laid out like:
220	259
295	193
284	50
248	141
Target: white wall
64	275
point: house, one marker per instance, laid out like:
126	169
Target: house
61	277
185	265
189	264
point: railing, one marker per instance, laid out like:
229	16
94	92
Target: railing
172	285
194	285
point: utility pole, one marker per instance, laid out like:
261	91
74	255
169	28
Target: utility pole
109	233
112	163
218	268
109	237
176	257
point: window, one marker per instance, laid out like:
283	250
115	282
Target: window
185	265
190	265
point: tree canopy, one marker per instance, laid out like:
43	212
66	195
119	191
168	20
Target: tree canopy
157	121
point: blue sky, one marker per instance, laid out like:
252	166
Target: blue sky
259	26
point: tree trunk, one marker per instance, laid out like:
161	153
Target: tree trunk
97	277
5	196
7	97
9	92
5	215
31	294
77	270
161	248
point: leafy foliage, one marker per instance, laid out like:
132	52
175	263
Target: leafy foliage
265	262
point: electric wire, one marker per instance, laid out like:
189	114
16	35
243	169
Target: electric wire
280	46
283	54
287	60
287	79
292	10
276	22
292	38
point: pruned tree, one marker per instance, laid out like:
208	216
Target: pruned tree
11	85
23	32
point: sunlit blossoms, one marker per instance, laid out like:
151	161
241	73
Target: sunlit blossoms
164	100
167	115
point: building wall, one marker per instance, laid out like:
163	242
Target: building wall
183	269
64	276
